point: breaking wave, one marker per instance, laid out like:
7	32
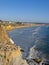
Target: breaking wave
34	41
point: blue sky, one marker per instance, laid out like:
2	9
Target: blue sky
25	10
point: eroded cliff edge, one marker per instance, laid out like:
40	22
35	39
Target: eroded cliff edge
10	54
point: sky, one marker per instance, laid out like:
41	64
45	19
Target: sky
25	10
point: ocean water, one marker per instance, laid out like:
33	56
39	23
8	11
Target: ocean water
37	36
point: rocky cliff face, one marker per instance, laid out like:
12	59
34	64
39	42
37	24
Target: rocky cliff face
10	54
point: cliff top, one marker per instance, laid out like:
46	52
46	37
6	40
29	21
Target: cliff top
7	49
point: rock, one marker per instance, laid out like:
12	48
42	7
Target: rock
10	54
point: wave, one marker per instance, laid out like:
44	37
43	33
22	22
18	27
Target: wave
34	57
33	53
36	30
11	41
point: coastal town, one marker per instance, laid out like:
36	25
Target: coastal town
9	25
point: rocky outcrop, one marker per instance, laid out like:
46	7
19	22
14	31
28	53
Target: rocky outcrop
10	54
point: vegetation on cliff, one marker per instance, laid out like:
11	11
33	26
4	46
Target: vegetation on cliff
10	54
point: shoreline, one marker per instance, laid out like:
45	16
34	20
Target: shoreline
11	27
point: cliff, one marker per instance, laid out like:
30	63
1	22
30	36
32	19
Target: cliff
10	54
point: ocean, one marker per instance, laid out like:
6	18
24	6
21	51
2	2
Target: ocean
26	38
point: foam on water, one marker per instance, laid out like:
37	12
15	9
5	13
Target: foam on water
34	41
